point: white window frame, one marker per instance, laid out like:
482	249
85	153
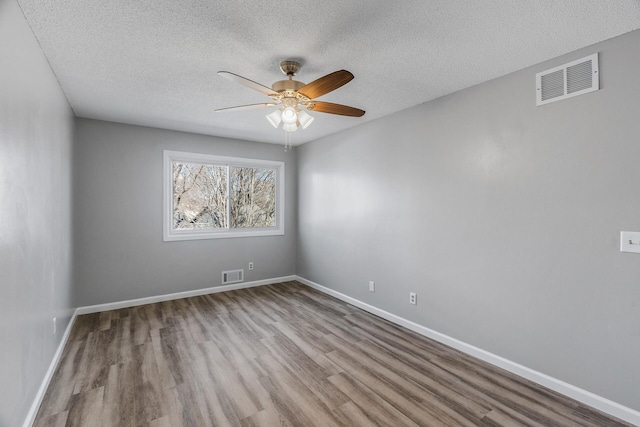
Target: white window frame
169	234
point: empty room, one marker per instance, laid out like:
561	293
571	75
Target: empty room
298	213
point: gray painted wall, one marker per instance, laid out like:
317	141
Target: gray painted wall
118	223
36	135
504	217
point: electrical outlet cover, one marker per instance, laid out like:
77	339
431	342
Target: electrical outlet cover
413	298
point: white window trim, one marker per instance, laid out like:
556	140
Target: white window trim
169	234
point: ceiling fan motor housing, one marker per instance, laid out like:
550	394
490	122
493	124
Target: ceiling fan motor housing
288	88
285	85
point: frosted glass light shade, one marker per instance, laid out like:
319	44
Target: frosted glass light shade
290	127
304	119
275	118
289	116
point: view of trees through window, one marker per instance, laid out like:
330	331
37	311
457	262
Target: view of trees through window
209	196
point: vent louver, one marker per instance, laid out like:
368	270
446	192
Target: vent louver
552	85
232	276
572	79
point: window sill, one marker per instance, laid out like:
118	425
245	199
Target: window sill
200	235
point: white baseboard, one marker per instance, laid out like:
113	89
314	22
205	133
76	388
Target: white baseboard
33	411
584	396
178	295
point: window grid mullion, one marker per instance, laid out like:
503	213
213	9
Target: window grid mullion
228	197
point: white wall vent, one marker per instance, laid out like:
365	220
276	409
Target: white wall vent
565	81
232	276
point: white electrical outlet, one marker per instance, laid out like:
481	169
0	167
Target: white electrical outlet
413	298
372	286
250	266
55	326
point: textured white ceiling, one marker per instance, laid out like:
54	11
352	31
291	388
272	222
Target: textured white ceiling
154	62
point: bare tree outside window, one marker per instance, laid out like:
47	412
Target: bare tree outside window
200	197
253	202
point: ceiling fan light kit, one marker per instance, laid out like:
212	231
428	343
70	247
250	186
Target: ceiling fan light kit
294	97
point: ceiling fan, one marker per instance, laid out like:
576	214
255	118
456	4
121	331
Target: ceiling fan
295	97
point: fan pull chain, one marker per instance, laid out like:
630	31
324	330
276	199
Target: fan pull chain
287	141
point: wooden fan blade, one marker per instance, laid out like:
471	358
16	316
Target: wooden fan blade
331	108
248	83
326	84
247	107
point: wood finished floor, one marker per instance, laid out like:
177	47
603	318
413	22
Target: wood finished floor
279	356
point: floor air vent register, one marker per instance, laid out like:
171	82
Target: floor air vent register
232	276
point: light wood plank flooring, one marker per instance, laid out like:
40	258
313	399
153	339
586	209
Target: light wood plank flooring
282	355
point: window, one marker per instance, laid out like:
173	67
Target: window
208	197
